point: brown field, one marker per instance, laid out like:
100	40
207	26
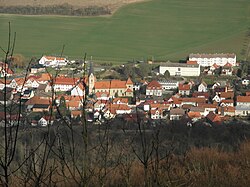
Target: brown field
112	4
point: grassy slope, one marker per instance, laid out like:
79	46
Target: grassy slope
165	29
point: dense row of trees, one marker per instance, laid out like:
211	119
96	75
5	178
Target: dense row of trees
64	9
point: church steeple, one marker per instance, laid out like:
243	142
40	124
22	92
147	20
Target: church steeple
91	78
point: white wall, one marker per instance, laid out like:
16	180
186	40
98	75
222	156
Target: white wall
180	70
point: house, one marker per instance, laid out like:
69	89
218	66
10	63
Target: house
44	78
154	88
226	111
102	96
202	87
169	84
74	104
227	69
37	68
245	81
192	101
176	114
243	101
241	110
120	100
76	113
64	83
41	108
194	116
115	109
214	118
78	90
179	69
201	95
157	114
227	95
184	89
45	121
53	61
200	110
5	70
38	104
214	67
27	94
227	102
210	59
208	108
4	84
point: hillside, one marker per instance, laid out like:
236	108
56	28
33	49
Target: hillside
159	29
112	4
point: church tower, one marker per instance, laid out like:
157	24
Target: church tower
91	79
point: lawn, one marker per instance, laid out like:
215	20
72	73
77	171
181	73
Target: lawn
159	29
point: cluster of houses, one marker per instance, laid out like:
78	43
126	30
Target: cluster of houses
106	99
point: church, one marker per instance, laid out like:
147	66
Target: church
114	87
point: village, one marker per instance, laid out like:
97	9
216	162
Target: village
172	92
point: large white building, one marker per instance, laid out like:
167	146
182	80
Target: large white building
211	59
53	61
180	69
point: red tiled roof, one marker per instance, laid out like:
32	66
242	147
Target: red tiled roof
213	117
38	100
192	114
154	85
193	99
76	113
215	66
205	105
184	87
227	101
201	94
192	62
228	64
102	94
122	100
66	81
2	81
111	84
227	95
226	109
114	107
54	58
155	110
243	98
129	81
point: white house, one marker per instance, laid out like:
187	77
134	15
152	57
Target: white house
202	87
241	110
78	90
210	59
180	69
64	83
243	101
169	84
45	120
245	81
154	88
53	61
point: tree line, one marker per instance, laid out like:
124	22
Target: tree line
64	9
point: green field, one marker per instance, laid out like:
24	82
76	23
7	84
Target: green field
162	29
